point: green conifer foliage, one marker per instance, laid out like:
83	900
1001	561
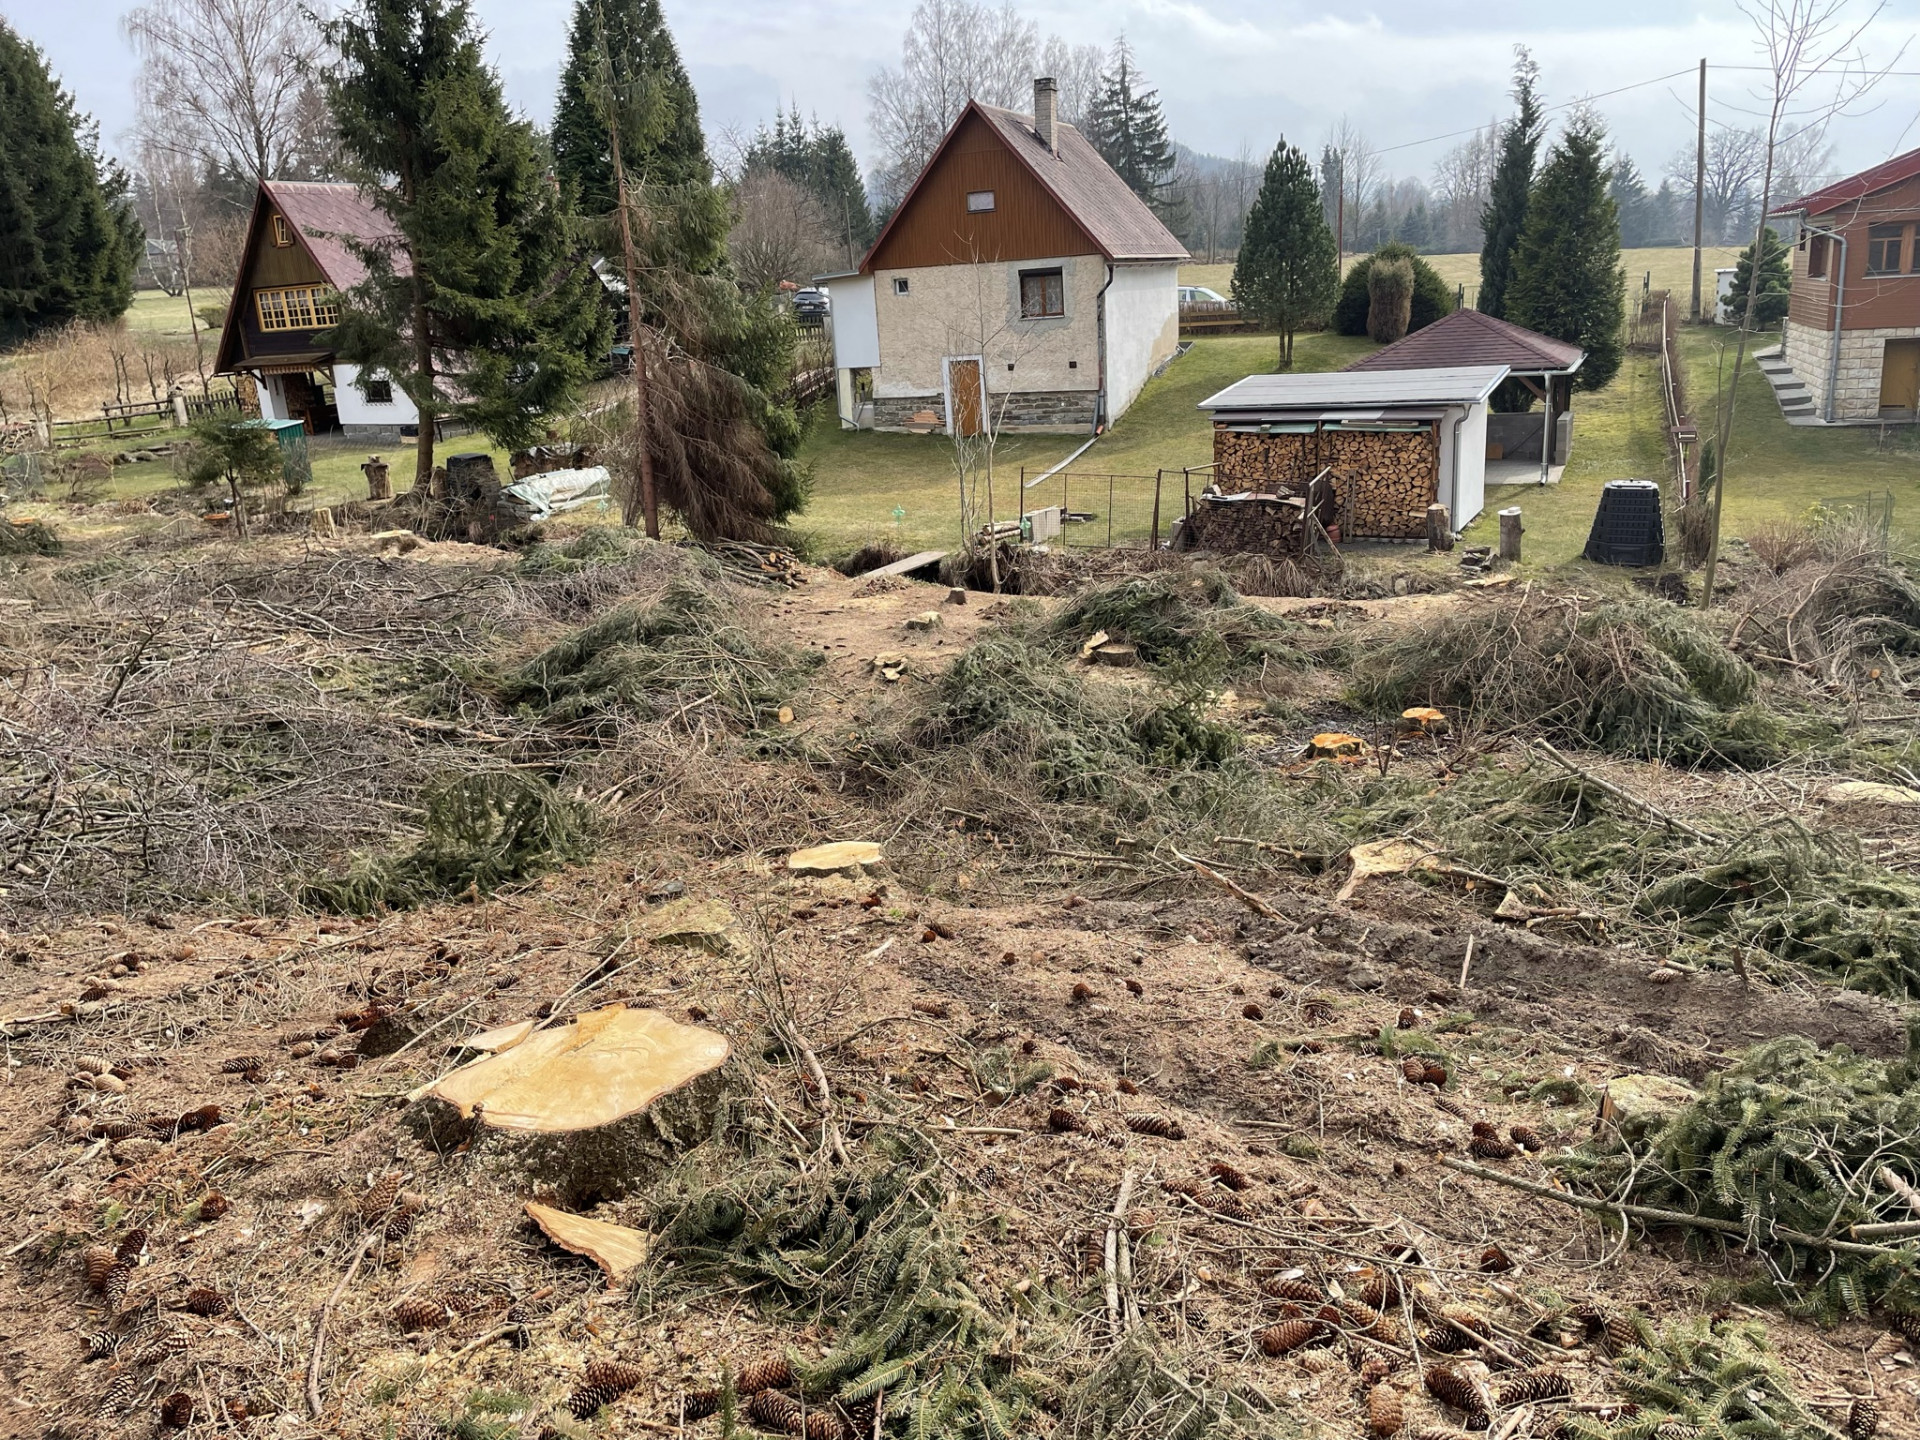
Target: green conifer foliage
1505	215
1125	125
1567	281
1776	284
1286	272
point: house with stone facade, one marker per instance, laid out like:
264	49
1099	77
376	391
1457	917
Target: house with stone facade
1020	285
1851	348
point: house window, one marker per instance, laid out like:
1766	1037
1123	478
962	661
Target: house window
1817	257
282	232
379	392
978	200
299	307
1043	294
899	284
1883	249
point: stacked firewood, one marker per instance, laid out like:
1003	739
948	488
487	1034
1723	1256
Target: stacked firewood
1385	479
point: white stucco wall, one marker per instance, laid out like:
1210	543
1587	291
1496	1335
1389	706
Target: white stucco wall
1464	493
273	398
356	409
1143	329
959	310
856	330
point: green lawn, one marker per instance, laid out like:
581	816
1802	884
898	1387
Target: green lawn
160	316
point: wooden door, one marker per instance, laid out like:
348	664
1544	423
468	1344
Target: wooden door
965	403
1900	376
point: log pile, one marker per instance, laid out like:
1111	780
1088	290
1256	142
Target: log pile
1256	524
1385	479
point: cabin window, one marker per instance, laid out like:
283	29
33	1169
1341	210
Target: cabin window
1817	257
299	307
978	200
282	232
899	284
1043	294
1883	249
379	392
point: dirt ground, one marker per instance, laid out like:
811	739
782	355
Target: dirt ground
1249	1034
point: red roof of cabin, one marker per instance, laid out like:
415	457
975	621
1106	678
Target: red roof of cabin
1855	187
1466	337
327	216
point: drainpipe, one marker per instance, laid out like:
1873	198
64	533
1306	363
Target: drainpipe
1839	303
1100	350
1546	428
1453	515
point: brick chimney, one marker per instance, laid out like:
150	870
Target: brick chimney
1046	111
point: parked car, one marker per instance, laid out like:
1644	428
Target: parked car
1200	295
810	305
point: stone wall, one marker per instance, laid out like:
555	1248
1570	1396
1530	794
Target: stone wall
1062	411
1809	351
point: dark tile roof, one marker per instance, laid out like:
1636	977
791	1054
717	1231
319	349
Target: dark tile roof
1120	222
1854	187
327	217
1466	337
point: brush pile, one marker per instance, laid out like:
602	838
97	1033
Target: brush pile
1698	1377
1189	618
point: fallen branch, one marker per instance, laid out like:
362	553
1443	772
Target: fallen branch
314	1401
1655	1216
1246	897
1889	1178
1645	807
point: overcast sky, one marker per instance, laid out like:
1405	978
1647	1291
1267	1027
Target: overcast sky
1229	71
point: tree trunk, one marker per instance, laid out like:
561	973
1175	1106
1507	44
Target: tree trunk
1439	529
1510	532
423	362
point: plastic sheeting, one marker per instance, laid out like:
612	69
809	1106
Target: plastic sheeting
539	497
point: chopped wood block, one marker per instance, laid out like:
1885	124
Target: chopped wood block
925	620
685	920
616	1249
1092	643
1635	1103
1115	654
1387	857
840	855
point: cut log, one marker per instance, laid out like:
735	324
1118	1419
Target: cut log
1510	532
616	1249
1439	528
593	1108
840	855
1114	653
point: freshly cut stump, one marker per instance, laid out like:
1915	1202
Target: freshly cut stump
840	855
593	1109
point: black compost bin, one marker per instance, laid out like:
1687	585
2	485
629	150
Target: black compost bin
1627	528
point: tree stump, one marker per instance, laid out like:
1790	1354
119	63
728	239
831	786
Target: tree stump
1510	532
379	485
1439	529
592	1109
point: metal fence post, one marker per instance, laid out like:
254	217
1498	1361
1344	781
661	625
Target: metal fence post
1153	543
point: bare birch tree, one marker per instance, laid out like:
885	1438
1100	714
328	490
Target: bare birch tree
1805	42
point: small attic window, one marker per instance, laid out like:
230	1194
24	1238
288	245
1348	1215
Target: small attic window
282	232
979	200
899	284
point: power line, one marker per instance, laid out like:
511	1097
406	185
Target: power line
1548	110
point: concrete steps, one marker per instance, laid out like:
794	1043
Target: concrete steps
1795	400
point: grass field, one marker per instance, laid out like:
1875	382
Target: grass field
160	316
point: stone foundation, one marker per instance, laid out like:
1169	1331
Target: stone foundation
1856	397
1045	411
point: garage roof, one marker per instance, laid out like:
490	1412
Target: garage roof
1466	337
1380	392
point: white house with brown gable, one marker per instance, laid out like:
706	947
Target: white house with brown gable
1020	280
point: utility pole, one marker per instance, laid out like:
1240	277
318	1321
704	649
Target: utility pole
1340	216
1699	191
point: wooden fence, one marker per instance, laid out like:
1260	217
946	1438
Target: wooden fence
133	419
1683	435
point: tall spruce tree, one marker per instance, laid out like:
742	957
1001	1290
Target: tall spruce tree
668	150
69	240
1125	125
1286	274
818	159
474	309
1505	215
1567	281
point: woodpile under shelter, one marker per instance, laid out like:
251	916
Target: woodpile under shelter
1385	444
1522	445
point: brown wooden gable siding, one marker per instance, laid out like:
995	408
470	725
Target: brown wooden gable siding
264	266
936	228
1873	302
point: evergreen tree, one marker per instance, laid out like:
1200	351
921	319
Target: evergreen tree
1432	296
1632	201
1126	127
1776	283
1330	182
475	309
1567	281
1286	275
1505	215
670	149
818	159
69	239
1416	228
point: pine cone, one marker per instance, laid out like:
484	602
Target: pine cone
1623	1332
1863	1418
1386	1411
1908	1326
1228	1176
825	1425
168	1342
204	1117
1147	1123
1126	1086
243	1064
1490	1147
116	1129
113	1290
96	1261
1408	1019
1374	1292
771	1410
586	1402
131	1245
1467	1319
1251	1011
1375	1368
117	1396
204	1300
1359	1316
1440	1432
1293	1287
1063	1121
1450	1387
1414	1069
379	1199
1527	1138
1287	1336
1451	1107
101	1344
1230	1205
1534	1386
1495	1261
771	1372
699	1404
1436	1075
407	1208
419	1313
1444	1340
1677	1430
1317	1012
615	1374
213	1205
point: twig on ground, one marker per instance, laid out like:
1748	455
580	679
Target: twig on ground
1246	897
1645	807
314	1401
